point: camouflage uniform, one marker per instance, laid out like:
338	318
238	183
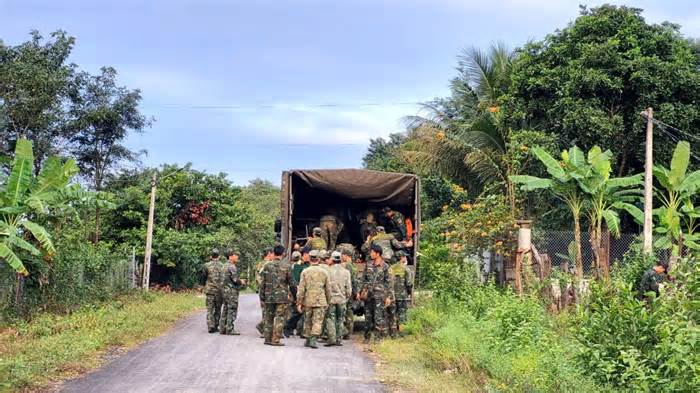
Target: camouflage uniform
330	229
231	286
258	279
316	243
387	242
402	281
349	315
650	282
341	289
296	316
212	289
274	292
314	294
397	226
377	284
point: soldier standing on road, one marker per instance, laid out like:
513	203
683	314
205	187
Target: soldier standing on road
341	291
274	292
402	279
377	293
299	263
231	286
347	263
396	223
316	241
268	256
313	297
212	289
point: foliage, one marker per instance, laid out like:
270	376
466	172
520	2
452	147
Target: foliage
50	347
590	80
678	213
643	345
633	266
23	195
382	155
35	81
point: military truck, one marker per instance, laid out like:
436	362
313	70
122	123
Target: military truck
348	194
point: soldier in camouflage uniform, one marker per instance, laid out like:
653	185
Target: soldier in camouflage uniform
347	263
402	279
313	297
341	290
316	241
268	256
212	289
377	292
298	266
331	227
387	242
396	223
231	285
274	292
653	278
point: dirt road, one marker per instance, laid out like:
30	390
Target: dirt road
188	359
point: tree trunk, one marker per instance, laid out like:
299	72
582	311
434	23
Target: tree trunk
577	240
96	238
19	294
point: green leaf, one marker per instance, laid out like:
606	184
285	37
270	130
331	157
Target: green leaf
552	165
41	235
576	157
55	174
661	174
21	173
612	220
10	257
634	211
679	163
529	183
620	182
600	161
23	244
691	184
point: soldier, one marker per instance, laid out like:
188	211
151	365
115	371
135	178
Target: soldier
402	279
396	223
313	297
347	263
316	241
331	227
268	256
377	293
368	226
231	285
341	291
653	278
274	292
387	242
300	262
212	289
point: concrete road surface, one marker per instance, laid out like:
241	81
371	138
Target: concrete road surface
188	359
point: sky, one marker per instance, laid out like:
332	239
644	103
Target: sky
252	88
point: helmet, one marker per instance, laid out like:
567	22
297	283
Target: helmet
215	252
316	231
380	229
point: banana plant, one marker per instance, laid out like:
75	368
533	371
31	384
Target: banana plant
677	214
24	196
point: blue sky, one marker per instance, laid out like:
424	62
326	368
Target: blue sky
242	87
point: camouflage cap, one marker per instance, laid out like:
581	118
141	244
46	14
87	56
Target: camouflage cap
215	252
386	209
296	255
380	229
317	231
336	256
314	254
323	254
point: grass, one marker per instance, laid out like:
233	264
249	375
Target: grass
51	347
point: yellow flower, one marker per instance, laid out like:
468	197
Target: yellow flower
494	109
440	135
466	206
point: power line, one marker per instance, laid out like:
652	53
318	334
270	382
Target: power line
664	125
677	140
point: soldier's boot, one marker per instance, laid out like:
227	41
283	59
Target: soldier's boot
277	344
233	332
259	326
339	342
312	342
330	344
368	337
307	342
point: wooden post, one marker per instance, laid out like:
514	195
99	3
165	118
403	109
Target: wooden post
149	237
647	246
523	255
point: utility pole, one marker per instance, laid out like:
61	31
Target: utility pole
648	166
149	237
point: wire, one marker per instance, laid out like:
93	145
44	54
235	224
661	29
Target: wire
677	139
662	124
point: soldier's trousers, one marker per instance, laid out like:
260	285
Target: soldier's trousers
260	324
375	317
392	319
313	321
273	324
213	302
293	321
349	319
335	322
229	311
329	233
402	310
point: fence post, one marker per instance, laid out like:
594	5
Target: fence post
523	254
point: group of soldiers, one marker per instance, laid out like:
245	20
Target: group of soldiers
313	290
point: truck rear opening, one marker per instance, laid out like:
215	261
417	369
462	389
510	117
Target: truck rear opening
349	194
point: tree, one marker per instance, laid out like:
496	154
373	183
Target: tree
589	81
103	114
35	80
678	188
382	154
